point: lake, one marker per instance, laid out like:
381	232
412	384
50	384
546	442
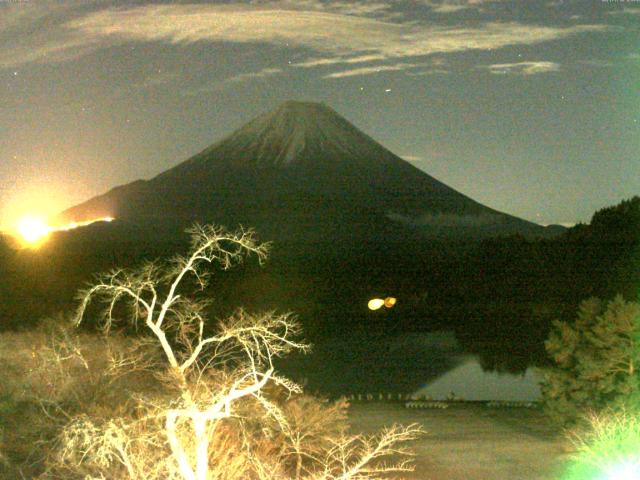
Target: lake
429	364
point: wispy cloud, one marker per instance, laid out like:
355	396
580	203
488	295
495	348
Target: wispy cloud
446	6
436	66
264	73
449	8
452	6
240	78
522	68
35	32
160	79
332	32
371	70
321	31
352	7
319	62
562	224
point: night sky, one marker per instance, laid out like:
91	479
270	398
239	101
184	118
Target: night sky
530	107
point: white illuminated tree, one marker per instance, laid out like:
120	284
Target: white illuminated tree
210	375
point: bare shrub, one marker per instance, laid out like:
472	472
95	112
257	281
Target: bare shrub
215	408
606	446
55	372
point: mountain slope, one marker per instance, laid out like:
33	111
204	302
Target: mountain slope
302	172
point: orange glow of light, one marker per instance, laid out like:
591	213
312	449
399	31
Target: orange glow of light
32	231
72	225
390	302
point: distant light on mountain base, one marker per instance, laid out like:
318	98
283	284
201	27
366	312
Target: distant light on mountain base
33	231
377	303
72	225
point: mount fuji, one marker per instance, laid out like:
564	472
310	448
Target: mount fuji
302	172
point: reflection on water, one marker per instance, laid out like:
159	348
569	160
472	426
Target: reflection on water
468	381
406	364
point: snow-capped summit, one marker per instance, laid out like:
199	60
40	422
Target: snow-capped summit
291	134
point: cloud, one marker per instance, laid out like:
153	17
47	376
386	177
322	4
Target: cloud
522	68
353	7
332	32
186	24
318	62
371	70
562	224
449	8
34	32
160	79
264	73
320	31
436	66
452	6
240	78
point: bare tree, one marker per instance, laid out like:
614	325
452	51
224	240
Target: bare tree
211	377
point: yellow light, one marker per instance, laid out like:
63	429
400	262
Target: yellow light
32	230
375	303
72	225
390	302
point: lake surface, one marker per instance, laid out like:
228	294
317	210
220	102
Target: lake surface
430	364
468	381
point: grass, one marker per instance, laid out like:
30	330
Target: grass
469	441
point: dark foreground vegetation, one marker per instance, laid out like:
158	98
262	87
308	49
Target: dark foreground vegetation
174	402
172	394
500	295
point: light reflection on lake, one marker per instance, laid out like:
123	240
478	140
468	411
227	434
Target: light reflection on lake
420	363
467	381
